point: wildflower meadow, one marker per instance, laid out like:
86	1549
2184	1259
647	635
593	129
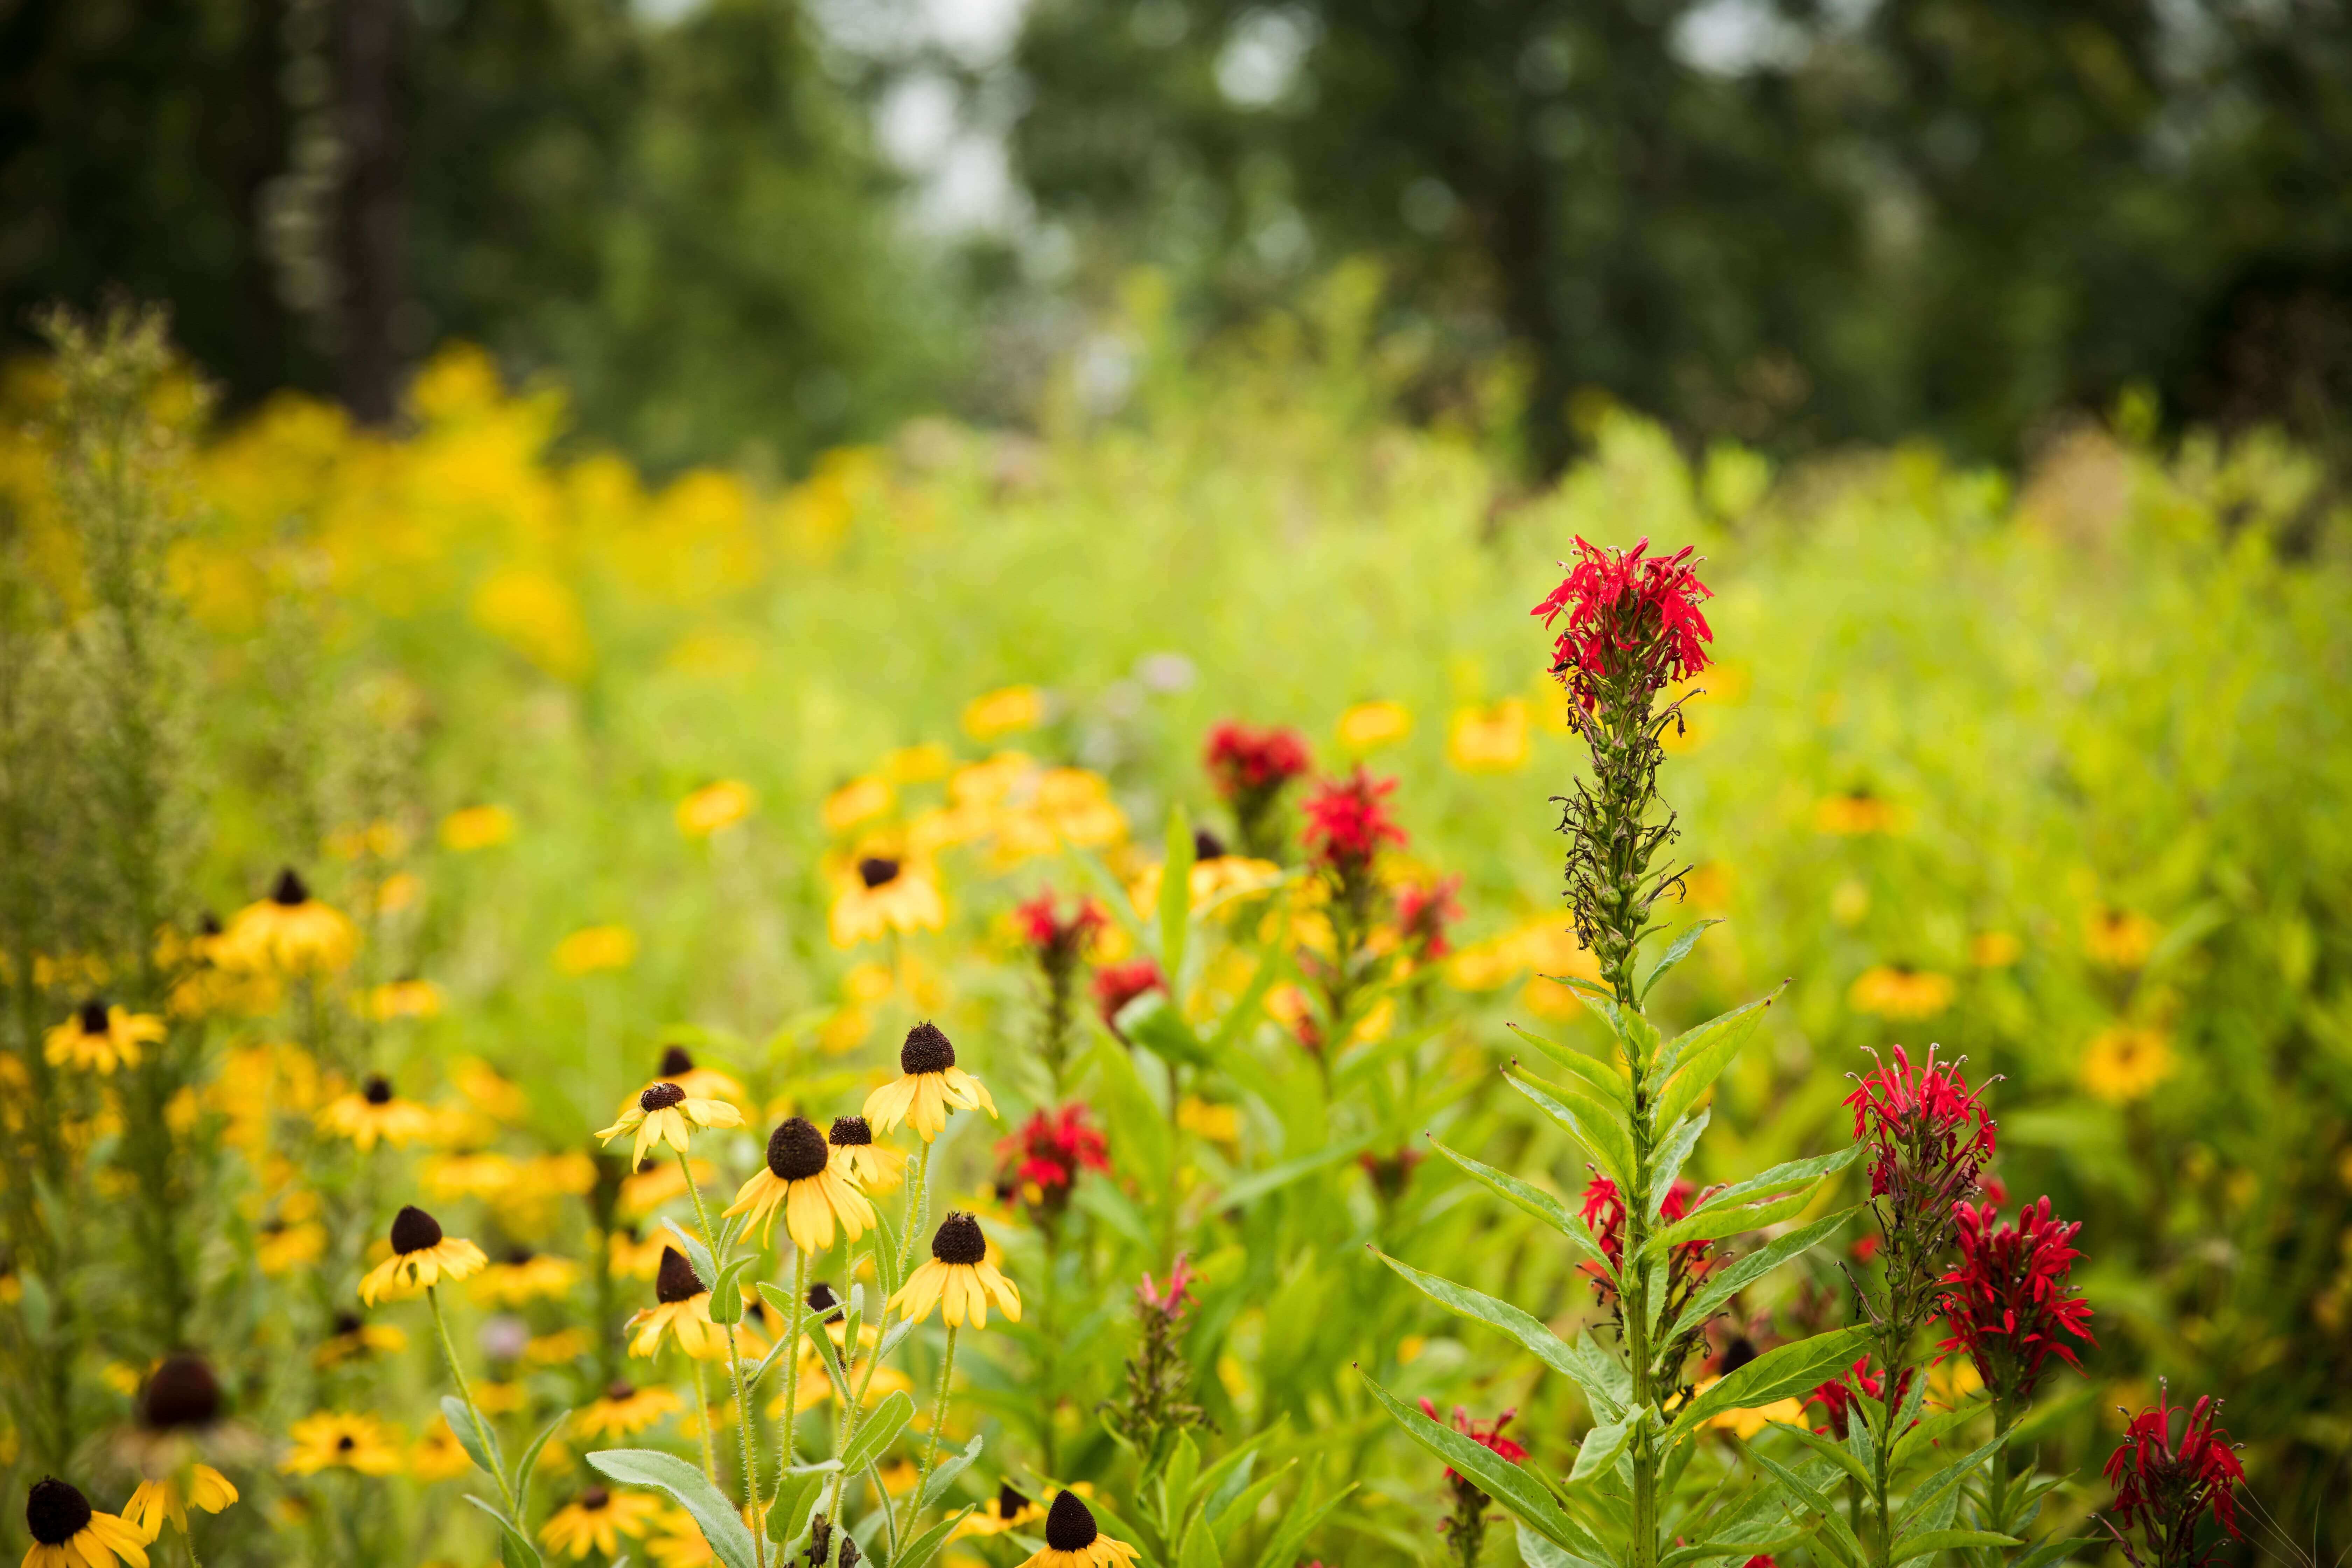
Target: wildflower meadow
1217	984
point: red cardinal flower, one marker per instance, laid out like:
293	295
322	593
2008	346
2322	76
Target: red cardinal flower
1839	1396
1930	1138
1054	936
1628	614
1346	824
2162	1484
1241	760
1117	984
1423	913
1041	1160
1604	1216
2011	1303
1169	1302
1487	1435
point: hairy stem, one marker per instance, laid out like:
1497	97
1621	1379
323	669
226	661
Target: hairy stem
466	1396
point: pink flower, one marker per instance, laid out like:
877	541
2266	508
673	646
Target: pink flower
1169	1303
1627	615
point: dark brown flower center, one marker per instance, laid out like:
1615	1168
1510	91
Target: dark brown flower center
346	1323
660	1097
958	1240
517	1256
54	1512
290	891
875	870
209	924
94	1019
1207	845
378	1091
1008	1501
346	1443
595	1498
677	1281
414	1230
926	1050
182	1392
850	1132
796	1149
822	1300
1070	1524
675	1063
617	1392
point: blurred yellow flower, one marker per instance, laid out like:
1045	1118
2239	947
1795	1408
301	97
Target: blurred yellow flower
537	614
859	800
1745	1422
2120	939
1217	1124
450	1177
398	891
1856	812
288	932
522	1277
990	782
1075	804
373	1112
281	1247
1370	725
1895	991
1994	950
918	764
2125	1061
868	981
99	1038
487	1090
401	999
379	838
1007	711
334	1440
1547	946
477	828
592	947
437	1456
714	806
882	895
1489	739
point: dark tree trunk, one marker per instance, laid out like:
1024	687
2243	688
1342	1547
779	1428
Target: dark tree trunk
371	218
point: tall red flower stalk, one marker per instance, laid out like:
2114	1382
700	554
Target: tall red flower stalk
1348	822
1117	984
1423	912
1466	1531
1631	617
1930	1138
1251	768
1687	1264
2010	1302
1039	1164
2164	1484
1157	1375
1058	942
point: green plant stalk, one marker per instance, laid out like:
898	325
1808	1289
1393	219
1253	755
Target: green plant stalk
465	1394
747	1438
1881	1451
1997	1487
796	1324
709	1441
1633	1290
1048	1359
932	1440
918	1205
849	1422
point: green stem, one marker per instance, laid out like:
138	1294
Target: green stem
747	1438
702	1405
918	1206
2003	1418
465	1394
932	1440
1882	1452
797	1322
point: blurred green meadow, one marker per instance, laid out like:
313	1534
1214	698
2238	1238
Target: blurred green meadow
2044	770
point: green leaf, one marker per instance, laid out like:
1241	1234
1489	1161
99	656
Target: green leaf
1843	1546
1716	1221
1229	1515
481	1443
1176	895
1200	1547
1298	1522
1829	1448
1593	1125
950	1468
530	1458
926	1546
1159	1029
1537	1553
1176	1482
1929	1541
1499	1478
1223	1481
1547	1347
727	1292
1723	1283
1258	1184
696	1253
2050	1551
1668	1160
887	1275
1934	1491
878	1431
795	1499
1535	1201
1674	955
1603	1079
1781	1178
720	1525
515	1549
1601	1446
1777	1373
1931	1432
1699	1056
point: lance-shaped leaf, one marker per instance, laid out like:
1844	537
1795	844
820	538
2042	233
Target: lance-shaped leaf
1634	1034
878	1431
1499	1478
1723	1283
1675	954
1535	1201
926	1546
1603	1079
696	1253
720	1525
1604	1443
795	1499
1176	896
476	1437
1671	1154
1305	1513
950	1468
1537	1553
1838	1541
530	1460
1779	1373
1698	1057
1591	1123
515	1549
1717	1220
1783	1178
727	1292
1529	1330
1924	1497
1829	1448
1929	1541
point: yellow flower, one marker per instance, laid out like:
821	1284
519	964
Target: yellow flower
438	1455
2120	939
332	1439
1492	739
1994	950
69	1533
100	1038
1217	1124
918	764
487	1090
885	895
1071	1540
421	1257
597	1519
1004	711
410	998
1368	726
455	1176
666	1113
813	1190
373	1112
1212	882
625	1410
1895	991
285	1246
699	1082
476	828
681	1311
1854	814
2125	1061
157	1500
714	806
354	1337
958	1279
1745	1422
560	1348
859	800
929	1086
875	1167
1008	1509
655	1182
633	1258
525	1276
592	947
288	932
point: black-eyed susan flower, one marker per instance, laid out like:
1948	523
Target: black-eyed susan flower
884	894
876	1167
597	1519
179	1416
1073	1540
408	998
1008	1510
665	1113
681	1310
69	1533
928	1087
355	1338
438	1455
958	1279
1900	992
623	1410
813	1190
421	1258
283	1245
336	1439
632	1256
99	1038
288	932
655	1182
372	1113
523	1276
473	827
678	1067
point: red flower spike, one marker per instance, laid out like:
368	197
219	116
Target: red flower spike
1604	1216
1487	1435
2011	1303
1041	1160
1837	1397
1423	913
1627	613
1241	760
1171	1302
1117	984
2163	1484
1346	823
1053	935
